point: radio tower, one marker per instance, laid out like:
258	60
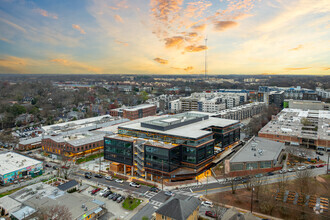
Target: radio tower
205	57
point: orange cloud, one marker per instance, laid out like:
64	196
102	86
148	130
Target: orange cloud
223	25
296	68
192	34
121	42
325	68
165	10
196	9
6	40
175	41
300	46
160	60
119	5
188	68
200	27
119	19
46	13
77	27
77	65
194	48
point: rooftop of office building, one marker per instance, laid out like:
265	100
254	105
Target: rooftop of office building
290	122
258	149
10	161
188	125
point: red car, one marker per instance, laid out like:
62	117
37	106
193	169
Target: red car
320	165
95	190
210	214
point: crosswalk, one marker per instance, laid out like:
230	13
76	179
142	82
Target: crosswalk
186	193
156	203
149	194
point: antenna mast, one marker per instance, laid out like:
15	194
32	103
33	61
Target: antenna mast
205	57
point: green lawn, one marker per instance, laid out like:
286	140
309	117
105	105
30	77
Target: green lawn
131	204
89	158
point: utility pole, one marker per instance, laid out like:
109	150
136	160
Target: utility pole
205	57
328	164
252	199
162	175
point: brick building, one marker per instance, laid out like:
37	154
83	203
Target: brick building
134	112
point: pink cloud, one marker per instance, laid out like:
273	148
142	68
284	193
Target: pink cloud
77	27
46	13
119	19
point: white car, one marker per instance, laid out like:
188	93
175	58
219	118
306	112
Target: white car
207	204
108	178
291	169
302	168
283	171
134	185
103	192
119	181
169	193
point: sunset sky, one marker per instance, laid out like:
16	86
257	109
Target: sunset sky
165	36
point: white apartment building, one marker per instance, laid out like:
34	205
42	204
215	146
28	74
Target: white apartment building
324	93
175	106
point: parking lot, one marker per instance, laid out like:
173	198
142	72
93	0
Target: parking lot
115	209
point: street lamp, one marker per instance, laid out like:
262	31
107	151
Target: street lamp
252	199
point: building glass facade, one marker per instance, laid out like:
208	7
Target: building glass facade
120	151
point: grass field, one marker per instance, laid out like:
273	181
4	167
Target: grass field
131	204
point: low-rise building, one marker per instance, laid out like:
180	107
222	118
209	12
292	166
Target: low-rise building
306	104
257	155
74	145
307	128
242	112
135	112
36	201
14	166
179	209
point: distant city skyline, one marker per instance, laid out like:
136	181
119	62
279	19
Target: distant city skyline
165	37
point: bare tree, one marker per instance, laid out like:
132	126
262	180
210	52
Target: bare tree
257	185
218	211
303	180
67	167
56	212
282	182
267	197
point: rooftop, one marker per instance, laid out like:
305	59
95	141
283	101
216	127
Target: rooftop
258	149
193	129
133	108
10	161
179	209
288	122
78	139
68	185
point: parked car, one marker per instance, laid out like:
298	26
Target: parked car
98	175
154	189
88	175
136	185
103	192
319	153
302	168
313	166
291	169
210	214
283	171
95	191
55	167
270	174
120	199
108	178
47	165
169	193
207	203
116	197
238	178
112	195
259	175
105	195
320	165
119	181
